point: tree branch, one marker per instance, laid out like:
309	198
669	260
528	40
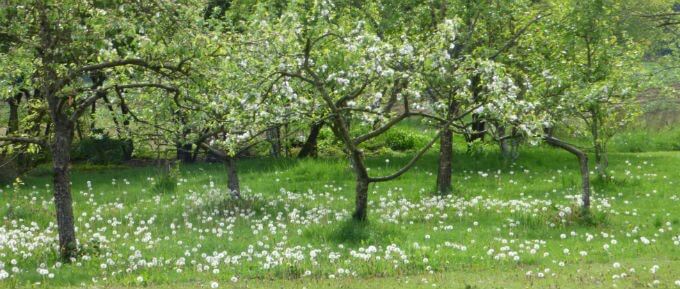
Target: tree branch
26	140
89	101
410	164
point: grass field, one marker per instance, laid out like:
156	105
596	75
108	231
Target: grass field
506	226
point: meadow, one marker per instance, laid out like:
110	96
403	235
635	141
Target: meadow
507	225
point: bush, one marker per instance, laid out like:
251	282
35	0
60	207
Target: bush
398	139
328	144
101	150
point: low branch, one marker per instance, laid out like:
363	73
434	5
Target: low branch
26	140
563	145
362	138
410	164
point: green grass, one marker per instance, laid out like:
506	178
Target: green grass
304	205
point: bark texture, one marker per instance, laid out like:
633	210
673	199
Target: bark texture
61	156
445	160
232	178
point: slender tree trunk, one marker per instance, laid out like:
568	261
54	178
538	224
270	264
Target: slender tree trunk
585	181
601	161
504	143
93	124
232	177
445	160
310	148
129	147
478	127
274	137
509	144
61	156
478	124
13	122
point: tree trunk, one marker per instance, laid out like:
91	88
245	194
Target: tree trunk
274	137
509	144
13	123
310	148
232	177
601	161
478	127
361	198
585	181
478	124
61	156
445	160
93	124
341	131
184	153
128	148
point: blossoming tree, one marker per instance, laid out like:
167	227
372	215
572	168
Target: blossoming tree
355	76
57	44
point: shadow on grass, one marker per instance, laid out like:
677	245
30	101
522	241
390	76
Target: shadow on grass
353	233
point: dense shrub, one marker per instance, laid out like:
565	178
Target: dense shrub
399	139
102	150
328	144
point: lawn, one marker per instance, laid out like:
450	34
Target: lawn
506	226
